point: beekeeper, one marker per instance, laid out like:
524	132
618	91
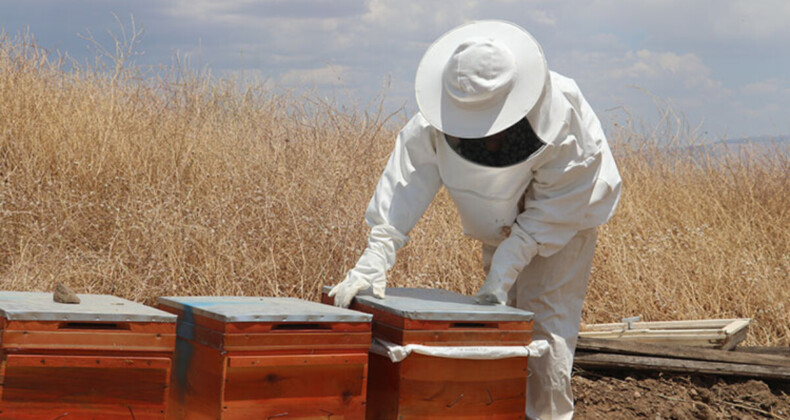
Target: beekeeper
525	160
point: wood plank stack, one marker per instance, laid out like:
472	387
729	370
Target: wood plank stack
609	354
722	334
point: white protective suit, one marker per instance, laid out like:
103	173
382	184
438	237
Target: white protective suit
536	220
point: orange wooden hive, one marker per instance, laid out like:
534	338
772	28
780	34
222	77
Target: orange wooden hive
104	358
257	358
428	387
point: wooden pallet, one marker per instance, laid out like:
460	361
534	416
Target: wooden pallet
722	334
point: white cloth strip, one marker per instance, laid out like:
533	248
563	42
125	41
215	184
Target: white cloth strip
397	353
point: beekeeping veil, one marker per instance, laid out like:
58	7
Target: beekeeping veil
483	77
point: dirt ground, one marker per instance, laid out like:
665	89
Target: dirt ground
615	395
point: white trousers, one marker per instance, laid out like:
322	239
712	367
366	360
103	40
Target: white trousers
553	288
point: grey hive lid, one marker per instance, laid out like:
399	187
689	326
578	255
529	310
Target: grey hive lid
39	306
438	305
262	309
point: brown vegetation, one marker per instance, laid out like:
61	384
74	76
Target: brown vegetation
187	185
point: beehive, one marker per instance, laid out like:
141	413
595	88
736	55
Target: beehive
257	358
104	358
428	387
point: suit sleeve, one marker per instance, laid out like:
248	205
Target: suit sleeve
576	188
409	181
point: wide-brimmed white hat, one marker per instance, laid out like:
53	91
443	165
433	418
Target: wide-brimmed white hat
480	78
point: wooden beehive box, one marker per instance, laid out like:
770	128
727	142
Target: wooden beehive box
104	358
257	358
426	387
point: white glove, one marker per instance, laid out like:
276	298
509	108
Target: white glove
510	257
371	269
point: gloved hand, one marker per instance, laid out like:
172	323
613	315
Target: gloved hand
510	257
372	266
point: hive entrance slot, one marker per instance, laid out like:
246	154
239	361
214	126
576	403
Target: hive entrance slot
93	326
301	326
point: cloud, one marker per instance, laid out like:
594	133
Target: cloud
746	28
717	58
327	75
249	11
756	20
770	86
542	17
687	69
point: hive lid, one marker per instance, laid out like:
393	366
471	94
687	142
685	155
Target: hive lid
262	309
438	305
39	306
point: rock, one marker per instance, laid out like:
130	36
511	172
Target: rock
63	294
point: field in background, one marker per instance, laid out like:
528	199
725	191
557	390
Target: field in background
185	185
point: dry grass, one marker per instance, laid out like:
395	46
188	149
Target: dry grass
188	185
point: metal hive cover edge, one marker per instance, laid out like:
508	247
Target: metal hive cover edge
261	309
438	305
39	306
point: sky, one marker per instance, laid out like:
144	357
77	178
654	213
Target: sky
722	66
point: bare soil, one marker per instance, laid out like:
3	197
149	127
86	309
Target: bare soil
613	396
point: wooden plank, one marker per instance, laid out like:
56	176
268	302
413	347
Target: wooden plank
97	362
416	324
93	352
3	363
703	334
434	387
303	386
665	325
452	337
678	352
736	333
428	368
62	411
316	408
86	340
708	341
285	327
298	340
384	389
297	360
257	385
197	382
774	350
280	340
622	361
737	325
110	382
117	327
424	387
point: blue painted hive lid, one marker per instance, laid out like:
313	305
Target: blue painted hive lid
262	309
39	306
